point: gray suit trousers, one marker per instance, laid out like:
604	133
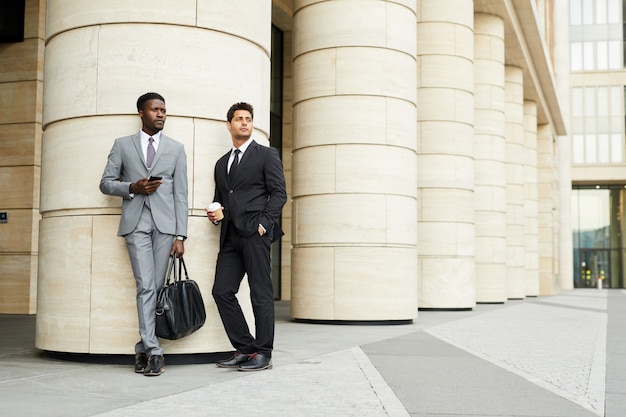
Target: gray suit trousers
149	252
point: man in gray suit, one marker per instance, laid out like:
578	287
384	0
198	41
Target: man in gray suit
149	171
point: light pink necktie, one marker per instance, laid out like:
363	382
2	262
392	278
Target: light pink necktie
149	158
151	152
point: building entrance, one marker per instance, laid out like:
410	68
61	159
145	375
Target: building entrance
595	265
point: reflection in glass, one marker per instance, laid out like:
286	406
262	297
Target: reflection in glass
598	236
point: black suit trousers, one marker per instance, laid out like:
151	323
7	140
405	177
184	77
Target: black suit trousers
240	255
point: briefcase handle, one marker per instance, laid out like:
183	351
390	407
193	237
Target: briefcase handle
182	267
172	268
171	271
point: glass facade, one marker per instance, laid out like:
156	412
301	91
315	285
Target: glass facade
597	125
597	44
596	38
598	236
598	97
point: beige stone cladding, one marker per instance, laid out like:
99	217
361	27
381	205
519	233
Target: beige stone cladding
515	159
531	211
546	192
99	58
354	161
490	157
445	97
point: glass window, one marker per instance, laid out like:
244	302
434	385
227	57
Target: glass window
616	101
597	232
615	54
575	12
576	56
614	11
588	60
601	12
602	61
590	212
603	148
587	12
617	148
590	149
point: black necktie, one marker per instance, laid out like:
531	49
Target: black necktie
234	165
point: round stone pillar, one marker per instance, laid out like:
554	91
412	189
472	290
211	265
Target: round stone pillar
490	157
547	187
445	99
515	159
354	163
531	213
100	57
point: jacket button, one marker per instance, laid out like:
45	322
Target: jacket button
231	191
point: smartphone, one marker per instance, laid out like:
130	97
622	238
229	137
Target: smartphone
155	178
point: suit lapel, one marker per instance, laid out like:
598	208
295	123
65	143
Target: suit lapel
163	144
137	145
244	158
247	154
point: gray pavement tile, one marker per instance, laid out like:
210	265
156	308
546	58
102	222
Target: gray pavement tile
560	347
458	383
616	354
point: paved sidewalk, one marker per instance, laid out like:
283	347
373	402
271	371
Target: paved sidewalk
541	357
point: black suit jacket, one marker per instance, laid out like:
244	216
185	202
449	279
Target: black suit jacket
256	195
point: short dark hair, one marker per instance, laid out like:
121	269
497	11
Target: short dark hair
239	106
141	101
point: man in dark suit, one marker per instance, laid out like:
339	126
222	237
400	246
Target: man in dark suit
250	185
154	214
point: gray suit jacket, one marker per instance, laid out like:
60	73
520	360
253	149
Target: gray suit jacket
169	205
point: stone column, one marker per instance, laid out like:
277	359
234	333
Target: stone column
546	207
354	172
561	52
445	51
566	244
531	211
490	156
515	159
101	56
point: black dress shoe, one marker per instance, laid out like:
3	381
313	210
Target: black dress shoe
155	367
141	361
258	362
235	361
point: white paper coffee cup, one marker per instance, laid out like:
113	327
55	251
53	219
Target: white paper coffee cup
216	208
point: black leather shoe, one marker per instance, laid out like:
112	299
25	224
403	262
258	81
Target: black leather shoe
258	362
141	361
155	367
235	361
